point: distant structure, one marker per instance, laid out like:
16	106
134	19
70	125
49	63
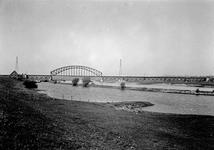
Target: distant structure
120	71
17	65
15	73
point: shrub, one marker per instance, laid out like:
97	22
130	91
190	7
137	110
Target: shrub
197	91
30	84
20	79
75	81
85	83
122	85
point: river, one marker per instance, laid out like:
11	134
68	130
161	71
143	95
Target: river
164	102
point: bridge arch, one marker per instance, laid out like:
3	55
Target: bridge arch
76	70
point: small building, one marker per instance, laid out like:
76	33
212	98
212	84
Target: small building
14	74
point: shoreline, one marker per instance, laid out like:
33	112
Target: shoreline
33	120
161	90
164	105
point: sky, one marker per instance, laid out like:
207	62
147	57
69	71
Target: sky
151	37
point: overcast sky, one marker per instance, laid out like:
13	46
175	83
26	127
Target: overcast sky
165	37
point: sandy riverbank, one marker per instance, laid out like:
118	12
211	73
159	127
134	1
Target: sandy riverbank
30	120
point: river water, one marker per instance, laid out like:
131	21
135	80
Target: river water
164	102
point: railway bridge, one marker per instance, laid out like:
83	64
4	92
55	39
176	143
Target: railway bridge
68	73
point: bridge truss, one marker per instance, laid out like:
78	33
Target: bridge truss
76	70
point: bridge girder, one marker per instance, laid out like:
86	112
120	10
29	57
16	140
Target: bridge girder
76	70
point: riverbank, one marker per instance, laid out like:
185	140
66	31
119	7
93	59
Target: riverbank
178	90
32	120
162	90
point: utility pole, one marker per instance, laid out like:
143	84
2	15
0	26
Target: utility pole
17	66
120	71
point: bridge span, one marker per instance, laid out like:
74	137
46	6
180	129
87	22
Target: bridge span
205	80
68	73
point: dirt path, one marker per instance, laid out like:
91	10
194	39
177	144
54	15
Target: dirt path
29	120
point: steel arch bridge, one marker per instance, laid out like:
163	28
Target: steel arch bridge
76	70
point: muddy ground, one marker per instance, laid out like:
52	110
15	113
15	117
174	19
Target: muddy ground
29	120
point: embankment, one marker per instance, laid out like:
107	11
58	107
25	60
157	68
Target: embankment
29	120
